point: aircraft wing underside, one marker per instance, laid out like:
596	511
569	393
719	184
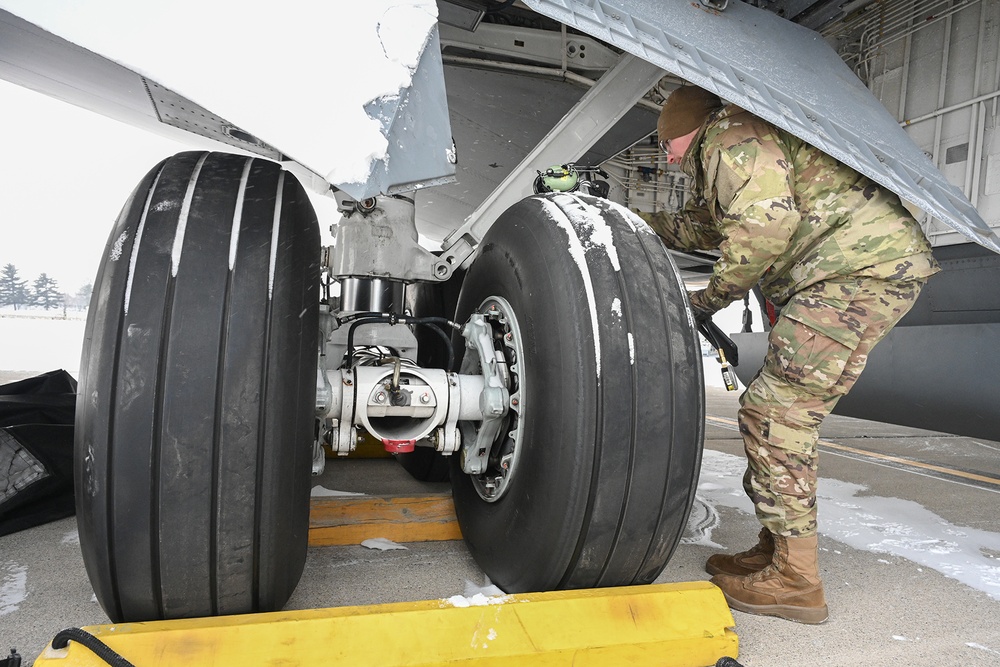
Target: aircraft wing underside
779	70
785	74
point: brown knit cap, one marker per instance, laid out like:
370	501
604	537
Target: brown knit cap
684	111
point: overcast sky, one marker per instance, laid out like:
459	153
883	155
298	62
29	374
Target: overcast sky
65	174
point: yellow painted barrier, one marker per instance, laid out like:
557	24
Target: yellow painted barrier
681	625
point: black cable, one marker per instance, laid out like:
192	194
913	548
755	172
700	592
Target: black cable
727	662
355	316
100	649
447	341
358	322
13	660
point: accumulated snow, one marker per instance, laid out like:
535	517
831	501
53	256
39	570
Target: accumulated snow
594	232
982	648
704	519
477	600
579	255
296	75
116	248
589	234
873	523
905	528
136	244
635	222
382	544
41	341
476	596
13	587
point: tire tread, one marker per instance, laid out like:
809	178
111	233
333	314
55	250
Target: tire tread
169	494
624	483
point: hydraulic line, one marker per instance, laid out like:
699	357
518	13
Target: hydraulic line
359	319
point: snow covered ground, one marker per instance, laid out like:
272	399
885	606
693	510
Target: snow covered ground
851	516
38	340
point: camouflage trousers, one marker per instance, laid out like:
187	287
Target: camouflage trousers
816	351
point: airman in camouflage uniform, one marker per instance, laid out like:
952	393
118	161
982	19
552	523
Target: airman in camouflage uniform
842	259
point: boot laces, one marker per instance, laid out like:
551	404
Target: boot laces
759	575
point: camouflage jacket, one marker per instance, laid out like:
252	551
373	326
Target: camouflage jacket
785	214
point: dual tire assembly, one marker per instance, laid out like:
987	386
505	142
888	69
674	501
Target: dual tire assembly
195	415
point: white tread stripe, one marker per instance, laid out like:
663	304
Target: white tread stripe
234	236
275	225
183	220
137	241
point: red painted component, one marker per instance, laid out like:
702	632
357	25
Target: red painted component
772	314
399	446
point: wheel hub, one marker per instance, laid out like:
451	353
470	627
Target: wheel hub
500	451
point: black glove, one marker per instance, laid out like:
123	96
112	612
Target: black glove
702	311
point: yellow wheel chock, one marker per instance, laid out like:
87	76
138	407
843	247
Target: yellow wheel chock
682	624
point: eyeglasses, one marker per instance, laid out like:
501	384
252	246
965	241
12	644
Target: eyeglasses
665	145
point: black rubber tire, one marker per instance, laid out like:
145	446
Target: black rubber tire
612	442
195	413
425	465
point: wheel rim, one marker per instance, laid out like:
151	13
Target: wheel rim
506	449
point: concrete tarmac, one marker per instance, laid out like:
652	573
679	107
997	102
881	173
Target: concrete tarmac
910	552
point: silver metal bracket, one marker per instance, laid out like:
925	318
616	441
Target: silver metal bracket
400	404
377	238
319	458
344	435
494	400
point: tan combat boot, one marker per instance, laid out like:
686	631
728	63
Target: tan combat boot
789	587
754	559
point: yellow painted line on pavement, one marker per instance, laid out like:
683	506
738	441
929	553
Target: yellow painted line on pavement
883	457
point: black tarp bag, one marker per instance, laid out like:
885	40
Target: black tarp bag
36	450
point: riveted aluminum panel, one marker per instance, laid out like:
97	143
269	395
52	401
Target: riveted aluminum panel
785	74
